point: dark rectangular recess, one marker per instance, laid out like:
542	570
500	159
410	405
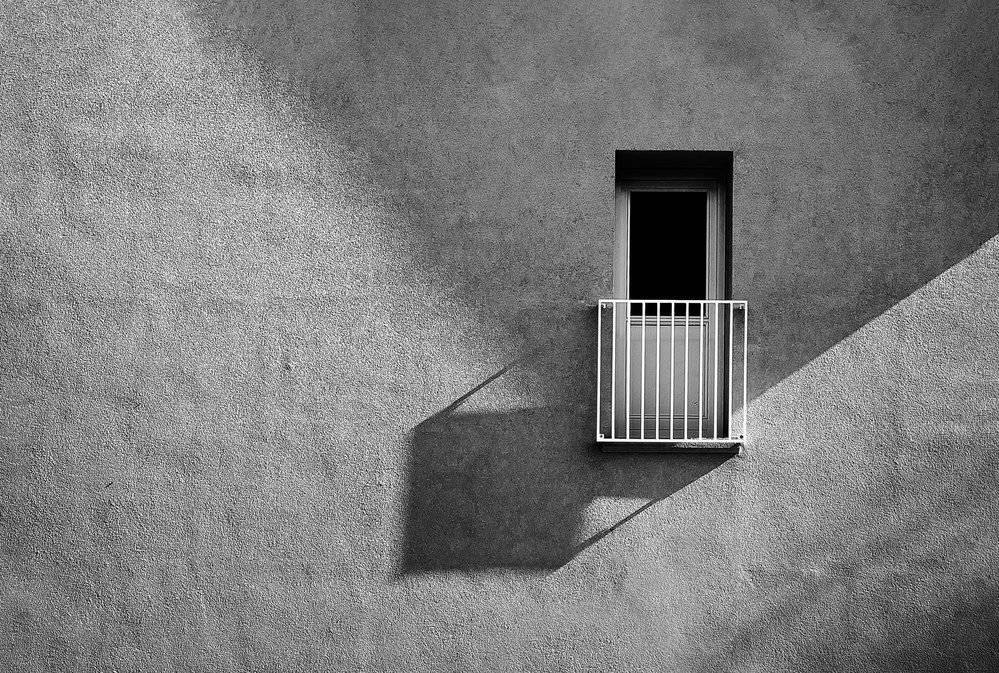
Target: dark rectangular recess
629	160
667	248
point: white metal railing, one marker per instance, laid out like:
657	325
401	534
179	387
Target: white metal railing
671	371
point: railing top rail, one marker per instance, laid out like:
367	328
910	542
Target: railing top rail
673	301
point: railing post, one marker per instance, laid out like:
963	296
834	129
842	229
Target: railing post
700	373
686	366
627	370
614	370
659	323
672	362
641	433
714	370
745	369
731	354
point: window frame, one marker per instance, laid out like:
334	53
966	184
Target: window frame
711	181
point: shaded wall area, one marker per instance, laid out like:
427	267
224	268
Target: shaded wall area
861	133
254	252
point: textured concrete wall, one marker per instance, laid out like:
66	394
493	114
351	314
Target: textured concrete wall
254	252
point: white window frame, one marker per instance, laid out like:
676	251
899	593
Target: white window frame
708	181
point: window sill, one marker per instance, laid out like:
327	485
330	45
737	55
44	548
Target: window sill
732	446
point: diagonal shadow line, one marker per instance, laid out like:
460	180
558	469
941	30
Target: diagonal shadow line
593	539
461	400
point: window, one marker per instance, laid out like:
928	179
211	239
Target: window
667	375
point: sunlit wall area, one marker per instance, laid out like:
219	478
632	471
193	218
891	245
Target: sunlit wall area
298	337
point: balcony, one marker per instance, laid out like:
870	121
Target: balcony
671	372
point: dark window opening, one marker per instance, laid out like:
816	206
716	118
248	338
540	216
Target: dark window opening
667	249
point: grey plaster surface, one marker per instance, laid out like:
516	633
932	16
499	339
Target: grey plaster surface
254	252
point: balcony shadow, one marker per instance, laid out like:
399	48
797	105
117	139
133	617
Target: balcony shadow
510	489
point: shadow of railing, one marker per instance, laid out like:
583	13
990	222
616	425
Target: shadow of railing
510	489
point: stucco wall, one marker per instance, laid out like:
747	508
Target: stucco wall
254	252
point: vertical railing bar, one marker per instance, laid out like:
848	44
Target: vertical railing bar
627	370
614	371
659	323
745	368
672	362
700	376
731	350
686	364
714	370
641	434
600	309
